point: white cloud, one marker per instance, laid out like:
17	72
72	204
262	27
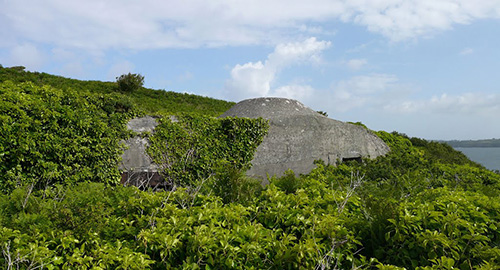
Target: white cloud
256	79
95	24
384	92
383	102
406	19
289	53
295	91
356	64
250	80
367	91
445	104
26	55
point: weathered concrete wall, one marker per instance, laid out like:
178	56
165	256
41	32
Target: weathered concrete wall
298	136
138	168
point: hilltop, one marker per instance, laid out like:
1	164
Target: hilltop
150	101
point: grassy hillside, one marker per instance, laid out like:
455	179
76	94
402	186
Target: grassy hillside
422	206
148	100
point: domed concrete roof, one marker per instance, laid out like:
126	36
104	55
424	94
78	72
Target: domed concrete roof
298	136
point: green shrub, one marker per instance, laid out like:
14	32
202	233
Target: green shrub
195	148
232	185
50	136
130	82
459	226
289	183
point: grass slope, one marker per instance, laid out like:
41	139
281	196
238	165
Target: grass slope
149	100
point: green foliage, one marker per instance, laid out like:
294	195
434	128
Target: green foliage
49	136
442	152
421	206
289	183
192	148
359	124
232	185
148	100
444	227
79	227
130	82
90	225
343	217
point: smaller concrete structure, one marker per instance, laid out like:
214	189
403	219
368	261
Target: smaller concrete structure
137	167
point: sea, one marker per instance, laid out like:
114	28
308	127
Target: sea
489	157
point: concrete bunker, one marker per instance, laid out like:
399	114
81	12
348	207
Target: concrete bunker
298	136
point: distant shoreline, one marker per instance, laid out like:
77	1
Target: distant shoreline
474	143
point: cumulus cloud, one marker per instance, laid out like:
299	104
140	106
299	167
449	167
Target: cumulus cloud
295	91
94	24
446	104
386	93
367	91
250	80
255	79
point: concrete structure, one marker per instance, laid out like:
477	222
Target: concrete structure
298	136
136	165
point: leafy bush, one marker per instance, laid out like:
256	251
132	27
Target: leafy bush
195	148
289	183
461	227
49	136
90	225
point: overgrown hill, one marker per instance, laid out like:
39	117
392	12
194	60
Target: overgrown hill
148	100
55	130
421	206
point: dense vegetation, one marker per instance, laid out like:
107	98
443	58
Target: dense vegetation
50	136
422	206
195	151
149	101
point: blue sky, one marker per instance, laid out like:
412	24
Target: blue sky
427	68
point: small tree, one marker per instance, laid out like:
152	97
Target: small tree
130	82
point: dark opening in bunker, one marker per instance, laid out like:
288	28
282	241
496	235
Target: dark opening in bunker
350	159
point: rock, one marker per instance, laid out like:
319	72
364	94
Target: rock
298	136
